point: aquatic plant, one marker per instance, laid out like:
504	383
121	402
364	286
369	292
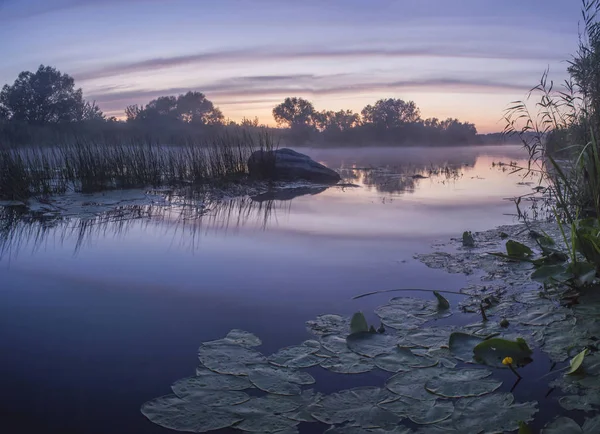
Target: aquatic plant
90	166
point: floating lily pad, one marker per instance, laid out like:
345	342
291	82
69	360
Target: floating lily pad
402	359
371	344
565	425
207	379
358	406
300	356
348	363
462	383
193	389
308	400
432	337
396	317
174	413
517	250
589	401
267	424
492	413
329	324
334	343
277	380
411	384
461	345
349	429
243	338
442	356
543	315
227	358
491	352
418	411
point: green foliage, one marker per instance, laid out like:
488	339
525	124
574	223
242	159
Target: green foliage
514	249
491	352
467	239
576	362
358	324
45	97
443	304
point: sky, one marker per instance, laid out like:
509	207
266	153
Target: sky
466	59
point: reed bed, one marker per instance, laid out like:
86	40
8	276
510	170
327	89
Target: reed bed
90	166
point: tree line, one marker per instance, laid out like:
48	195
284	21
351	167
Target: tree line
47	100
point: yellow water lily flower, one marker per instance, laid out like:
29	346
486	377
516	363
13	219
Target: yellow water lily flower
507	361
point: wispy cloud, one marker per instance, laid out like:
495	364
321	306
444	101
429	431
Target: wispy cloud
246	87
271	54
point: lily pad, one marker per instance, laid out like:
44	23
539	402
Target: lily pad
243	338
491	352
174	413
358	406
462	344
371	344
226	358
207	379
402	359
543	315
328	324
348	363
334	343
411	384
420	412
192	389
517	250
492	413
462	383
565	425
396	317
300	356
432	337
277	380
589	401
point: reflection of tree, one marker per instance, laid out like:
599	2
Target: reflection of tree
186	219
401	179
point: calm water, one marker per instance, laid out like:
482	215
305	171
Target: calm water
98	316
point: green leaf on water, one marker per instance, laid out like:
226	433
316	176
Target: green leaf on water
524	428
300	356
517	250
491	352
358	323
576	362
226	358
443	304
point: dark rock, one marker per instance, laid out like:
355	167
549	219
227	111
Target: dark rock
288	165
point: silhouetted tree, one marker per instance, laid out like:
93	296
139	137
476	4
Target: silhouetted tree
45	97
391	113
294	112
328	120
192	108
247	122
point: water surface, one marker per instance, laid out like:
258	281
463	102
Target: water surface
100	314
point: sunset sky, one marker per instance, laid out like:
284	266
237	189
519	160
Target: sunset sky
455	58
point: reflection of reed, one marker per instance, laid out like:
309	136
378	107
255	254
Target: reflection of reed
187	222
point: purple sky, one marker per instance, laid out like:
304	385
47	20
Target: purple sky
459	58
